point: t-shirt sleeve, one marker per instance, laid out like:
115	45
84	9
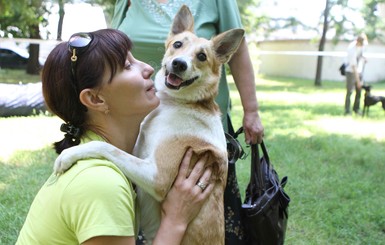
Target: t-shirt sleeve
120	10
229	16
99	201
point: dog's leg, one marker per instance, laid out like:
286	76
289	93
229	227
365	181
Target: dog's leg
382	98
139	171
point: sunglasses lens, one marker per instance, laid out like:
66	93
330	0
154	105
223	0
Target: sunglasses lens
80	40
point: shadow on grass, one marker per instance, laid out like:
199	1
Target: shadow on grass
20	179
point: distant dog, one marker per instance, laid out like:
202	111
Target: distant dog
370	100
186	117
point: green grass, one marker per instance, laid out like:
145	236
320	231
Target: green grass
15	76
335	164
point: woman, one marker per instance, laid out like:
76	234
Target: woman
103	93
355	61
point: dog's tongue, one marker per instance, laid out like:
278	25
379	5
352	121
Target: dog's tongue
174	80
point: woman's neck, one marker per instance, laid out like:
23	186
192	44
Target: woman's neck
118	133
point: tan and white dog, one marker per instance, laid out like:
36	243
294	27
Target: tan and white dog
186	117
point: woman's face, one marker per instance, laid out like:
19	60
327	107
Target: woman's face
131	91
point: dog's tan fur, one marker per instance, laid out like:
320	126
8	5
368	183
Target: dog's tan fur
186	117
192	118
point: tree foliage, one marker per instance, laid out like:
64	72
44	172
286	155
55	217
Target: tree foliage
375	25
20	17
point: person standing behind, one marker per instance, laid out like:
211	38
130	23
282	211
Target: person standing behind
148	23
355	64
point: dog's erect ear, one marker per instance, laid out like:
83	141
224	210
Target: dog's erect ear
183	21
227	43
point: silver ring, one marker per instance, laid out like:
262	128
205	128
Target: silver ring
202	185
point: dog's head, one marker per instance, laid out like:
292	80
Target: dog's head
367	88
191	66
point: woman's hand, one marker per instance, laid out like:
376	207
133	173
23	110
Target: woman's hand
184	200
253	127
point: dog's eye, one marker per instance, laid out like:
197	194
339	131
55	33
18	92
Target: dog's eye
202	57
177	44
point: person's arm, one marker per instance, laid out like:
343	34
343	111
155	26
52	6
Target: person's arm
243	74
357	76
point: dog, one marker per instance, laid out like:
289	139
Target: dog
370	100
187	116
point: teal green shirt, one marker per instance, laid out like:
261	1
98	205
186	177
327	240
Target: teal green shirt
148	23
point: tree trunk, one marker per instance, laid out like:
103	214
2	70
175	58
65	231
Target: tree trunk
33	65
321	46
61	18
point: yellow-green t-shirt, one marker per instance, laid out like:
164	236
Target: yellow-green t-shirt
93	198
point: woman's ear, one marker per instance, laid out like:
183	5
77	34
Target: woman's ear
92	100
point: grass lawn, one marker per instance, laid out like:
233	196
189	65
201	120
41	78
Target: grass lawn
335	163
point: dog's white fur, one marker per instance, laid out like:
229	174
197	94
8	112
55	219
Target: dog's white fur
186	117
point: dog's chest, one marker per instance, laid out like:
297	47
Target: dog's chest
171	121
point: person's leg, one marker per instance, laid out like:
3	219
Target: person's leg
349	90
357	99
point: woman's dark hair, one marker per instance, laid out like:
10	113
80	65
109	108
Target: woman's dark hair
107	52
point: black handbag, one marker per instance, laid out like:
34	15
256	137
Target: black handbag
265	208
343	69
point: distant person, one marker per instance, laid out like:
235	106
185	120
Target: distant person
355	61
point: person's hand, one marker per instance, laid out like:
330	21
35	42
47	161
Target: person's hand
359	85
252	127
185	198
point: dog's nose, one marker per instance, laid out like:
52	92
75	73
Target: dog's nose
179	65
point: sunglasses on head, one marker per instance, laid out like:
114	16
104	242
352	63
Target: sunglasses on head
77	44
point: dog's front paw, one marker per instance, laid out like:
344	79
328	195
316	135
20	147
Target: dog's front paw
64	161
70	156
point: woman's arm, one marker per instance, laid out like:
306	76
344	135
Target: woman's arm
243	74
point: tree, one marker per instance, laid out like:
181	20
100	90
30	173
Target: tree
345	27
375	24
322	43
61	19
21	18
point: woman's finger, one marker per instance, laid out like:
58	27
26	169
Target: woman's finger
184	166
198	169
205	180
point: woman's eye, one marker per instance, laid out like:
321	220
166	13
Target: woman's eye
127	66
177	44
202	57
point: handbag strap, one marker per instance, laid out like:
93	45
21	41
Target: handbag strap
256	172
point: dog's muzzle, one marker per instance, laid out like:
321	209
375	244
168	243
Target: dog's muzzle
172	80
173	76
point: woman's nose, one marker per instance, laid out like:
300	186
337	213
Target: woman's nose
148	70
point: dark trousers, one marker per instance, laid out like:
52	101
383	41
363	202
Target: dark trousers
351	85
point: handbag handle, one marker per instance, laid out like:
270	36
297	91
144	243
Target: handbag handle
256	172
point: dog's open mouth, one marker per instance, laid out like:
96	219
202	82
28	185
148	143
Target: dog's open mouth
172	81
